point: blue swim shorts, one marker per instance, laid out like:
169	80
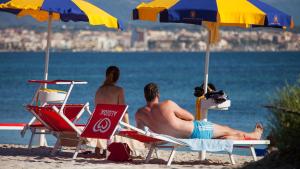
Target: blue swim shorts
202	130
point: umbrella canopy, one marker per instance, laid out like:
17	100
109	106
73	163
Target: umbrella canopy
62	10
242	13
213	14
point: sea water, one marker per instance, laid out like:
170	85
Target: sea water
250	79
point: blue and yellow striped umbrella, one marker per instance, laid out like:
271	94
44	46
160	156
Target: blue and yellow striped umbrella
214	13
61	10
241	13
64	10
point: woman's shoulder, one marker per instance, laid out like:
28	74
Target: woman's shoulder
119	88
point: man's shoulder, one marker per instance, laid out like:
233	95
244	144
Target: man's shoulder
167	102
141	110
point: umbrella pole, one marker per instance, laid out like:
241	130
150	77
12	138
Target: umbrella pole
42	139
47	50
204	112
202	154
207	61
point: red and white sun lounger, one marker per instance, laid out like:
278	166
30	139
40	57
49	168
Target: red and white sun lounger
161	141
59	121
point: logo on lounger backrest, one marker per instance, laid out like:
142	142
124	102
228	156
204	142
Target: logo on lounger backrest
102	125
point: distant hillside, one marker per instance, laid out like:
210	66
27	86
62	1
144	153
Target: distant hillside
122	10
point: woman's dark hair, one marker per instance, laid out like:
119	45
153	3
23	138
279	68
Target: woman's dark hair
151	91
112	75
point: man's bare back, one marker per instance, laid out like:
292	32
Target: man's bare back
166	118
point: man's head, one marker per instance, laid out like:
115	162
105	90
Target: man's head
151	92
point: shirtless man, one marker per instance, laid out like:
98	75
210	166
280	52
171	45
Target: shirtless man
168	118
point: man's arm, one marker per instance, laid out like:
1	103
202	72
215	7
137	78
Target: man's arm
182	113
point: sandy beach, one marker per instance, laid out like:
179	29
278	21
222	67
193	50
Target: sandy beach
18	156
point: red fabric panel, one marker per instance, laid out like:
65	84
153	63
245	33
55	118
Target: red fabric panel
137	136
104	121
51	118
70	110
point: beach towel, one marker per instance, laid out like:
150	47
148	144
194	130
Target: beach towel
212	145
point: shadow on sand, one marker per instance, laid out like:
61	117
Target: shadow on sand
39	154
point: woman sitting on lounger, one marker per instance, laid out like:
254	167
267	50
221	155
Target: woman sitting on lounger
167	117
110	93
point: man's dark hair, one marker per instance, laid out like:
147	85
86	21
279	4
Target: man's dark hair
151	91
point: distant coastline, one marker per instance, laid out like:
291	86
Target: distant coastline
143	40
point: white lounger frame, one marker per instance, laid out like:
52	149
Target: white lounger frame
174	145
11	127
34	131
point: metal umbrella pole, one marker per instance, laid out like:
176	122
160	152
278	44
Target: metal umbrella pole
206	66
47	50
207	60
202	154
42	138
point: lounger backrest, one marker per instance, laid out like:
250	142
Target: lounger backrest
70	110
103	122
51	118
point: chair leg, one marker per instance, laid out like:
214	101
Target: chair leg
171	157
150	153
42	138
231	158
31	138
253	153
45	143
202	155
77	149
156	153
56	147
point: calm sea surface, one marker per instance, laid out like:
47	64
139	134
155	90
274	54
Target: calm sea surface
249	79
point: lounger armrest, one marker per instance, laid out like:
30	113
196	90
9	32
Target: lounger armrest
251	142
23	132
132	127
84	108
